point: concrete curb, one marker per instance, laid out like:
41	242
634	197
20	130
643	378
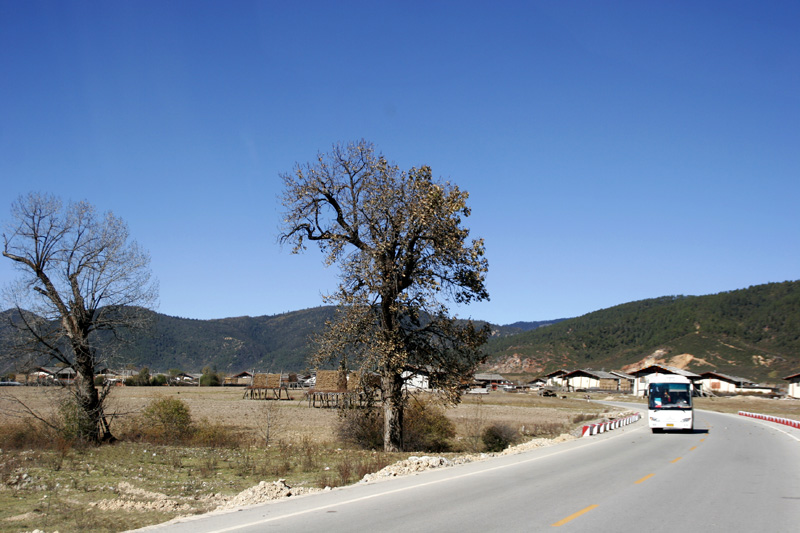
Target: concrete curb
602	427
770	418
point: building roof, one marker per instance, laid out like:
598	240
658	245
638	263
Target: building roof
622	374
54	370
793	376
726	377
599	374
664	369
489	377
559	372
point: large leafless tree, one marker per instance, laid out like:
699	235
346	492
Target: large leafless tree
81	278
403	253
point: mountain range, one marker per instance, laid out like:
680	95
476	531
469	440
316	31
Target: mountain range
753	333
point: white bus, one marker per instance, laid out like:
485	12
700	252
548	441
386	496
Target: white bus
669	403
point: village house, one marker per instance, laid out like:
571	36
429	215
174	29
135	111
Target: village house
641	375
556	378
588	379
491	381
757	388
417	378
51	374
625	381
794	385
537	383
242	379
717	383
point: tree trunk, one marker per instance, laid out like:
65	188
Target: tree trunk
392	383
90	409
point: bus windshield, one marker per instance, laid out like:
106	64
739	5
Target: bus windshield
670	396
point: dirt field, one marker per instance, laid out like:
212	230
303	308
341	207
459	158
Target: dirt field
293	420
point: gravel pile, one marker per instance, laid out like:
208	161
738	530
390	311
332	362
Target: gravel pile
133	499
414	464
265	492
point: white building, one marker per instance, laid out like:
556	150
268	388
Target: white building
794	385
641	375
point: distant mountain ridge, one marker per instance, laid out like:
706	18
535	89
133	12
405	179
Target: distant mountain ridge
265	343
752	332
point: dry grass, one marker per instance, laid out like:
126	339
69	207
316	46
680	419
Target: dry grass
753	404
58	487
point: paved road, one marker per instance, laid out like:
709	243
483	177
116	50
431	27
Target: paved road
731	474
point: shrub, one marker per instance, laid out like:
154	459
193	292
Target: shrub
26	435
210	378
167	420
362	428
498	437
345	469
583	417
425	428
215	435
72	421
545	429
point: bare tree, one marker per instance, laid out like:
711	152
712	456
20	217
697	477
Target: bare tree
402	251
81	279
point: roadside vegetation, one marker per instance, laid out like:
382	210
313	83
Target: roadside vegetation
184	451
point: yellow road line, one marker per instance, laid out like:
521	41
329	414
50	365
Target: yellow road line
693	448
675	460
645	478
573	516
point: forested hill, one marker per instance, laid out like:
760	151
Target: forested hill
754	333
266	343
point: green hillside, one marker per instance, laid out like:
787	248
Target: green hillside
265	343
752	332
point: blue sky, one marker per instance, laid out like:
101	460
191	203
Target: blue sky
613	151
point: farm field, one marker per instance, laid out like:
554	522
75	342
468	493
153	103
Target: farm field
131	484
